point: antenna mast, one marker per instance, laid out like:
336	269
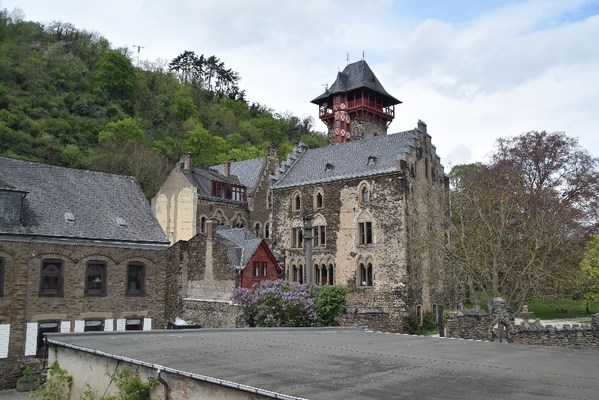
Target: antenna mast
138	50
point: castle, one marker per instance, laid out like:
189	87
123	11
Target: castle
368	212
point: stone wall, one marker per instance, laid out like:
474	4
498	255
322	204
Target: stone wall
478	325
211	314
21	307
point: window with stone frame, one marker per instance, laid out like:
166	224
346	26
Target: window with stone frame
263	268
297	237
331	274
136	279
257	229
364	232
318	200
95	279
202	224
365	271
364	193
267	230
297	202
319	235
316	274
2	273
51	278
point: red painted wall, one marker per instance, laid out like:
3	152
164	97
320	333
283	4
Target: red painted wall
261	255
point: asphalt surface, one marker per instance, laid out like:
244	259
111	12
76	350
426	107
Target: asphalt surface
355	364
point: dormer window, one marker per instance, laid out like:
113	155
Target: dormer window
121	222
371	160
69	217
329	167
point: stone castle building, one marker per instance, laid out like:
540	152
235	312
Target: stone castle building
79	251
371	206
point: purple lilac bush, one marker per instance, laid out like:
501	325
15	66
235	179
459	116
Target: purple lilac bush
276	303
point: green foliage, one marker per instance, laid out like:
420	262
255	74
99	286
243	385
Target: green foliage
130	387
590	270
557	308
329	304
57	385
27	375
275	303
427	327
67	98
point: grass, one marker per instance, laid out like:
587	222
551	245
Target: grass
552	308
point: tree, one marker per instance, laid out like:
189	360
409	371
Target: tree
115	75
329	303
520	221
590	271
123	131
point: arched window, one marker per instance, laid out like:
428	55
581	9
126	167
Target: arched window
325	274
366	274
364	194
203	224
297	202
294	276
238	222
318	200
300	271
331	274
220	218
316	274
257	229
267	230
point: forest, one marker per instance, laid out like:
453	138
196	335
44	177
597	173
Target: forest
68	98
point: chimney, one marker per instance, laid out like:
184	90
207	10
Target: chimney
421	126
187	162
211	228
227	168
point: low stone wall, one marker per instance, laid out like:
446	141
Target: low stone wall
373	318
478	325
211	314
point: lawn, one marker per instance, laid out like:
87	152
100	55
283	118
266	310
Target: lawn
552	308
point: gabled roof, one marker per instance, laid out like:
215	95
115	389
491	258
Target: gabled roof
241	244
366	157
202	178
95	199
355	76
249	172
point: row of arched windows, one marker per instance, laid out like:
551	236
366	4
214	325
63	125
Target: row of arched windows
324	273
317	198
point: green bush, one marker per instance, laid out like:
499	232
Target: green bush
428	326
329	303
57	385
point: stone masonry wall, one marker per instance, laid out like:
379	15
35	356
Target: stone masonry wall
21	303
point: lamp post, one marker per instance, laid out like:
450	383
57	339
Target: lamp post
308	240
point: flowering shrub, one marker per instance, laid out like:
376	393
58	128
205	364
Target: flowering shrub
275	303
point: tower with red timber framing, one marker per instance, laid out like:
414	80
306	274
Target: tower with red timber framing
356	106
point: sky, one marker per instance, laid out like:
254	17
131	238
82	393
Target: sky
472	70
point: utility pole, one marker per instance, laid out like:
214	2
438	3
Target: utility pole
308	240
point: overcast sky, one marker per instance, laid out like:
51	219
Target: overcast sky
473	70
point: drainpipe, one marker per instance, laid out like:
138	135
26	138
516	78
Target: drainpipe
163	383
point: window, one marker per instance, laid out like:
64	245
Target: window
136	276
297	202
300	271
319	200
238	193
364	194
2	273
269	200
319	235
316	274
257	229
294	273
297	238
42	329
203	224
324	272
256	268
365	233
263	267
134	324
267	230
93	325
219	189
95	279
331	274
51	282
366	274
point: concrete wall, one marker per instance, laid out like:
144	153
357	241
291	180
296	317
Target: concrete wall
21	308
93	370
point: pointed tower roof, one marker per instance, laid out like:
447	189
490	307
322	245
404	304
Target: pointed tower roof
355	76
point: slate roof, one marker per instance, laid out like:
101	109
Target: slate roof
355	76
248	172
241	244
350	160
95	199
202	179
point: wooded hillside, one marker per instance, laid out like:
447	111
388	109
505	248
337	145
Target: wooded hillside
67	98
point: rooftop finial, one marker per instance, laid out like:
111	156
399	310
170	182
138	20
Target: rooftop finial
362	55
347	57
